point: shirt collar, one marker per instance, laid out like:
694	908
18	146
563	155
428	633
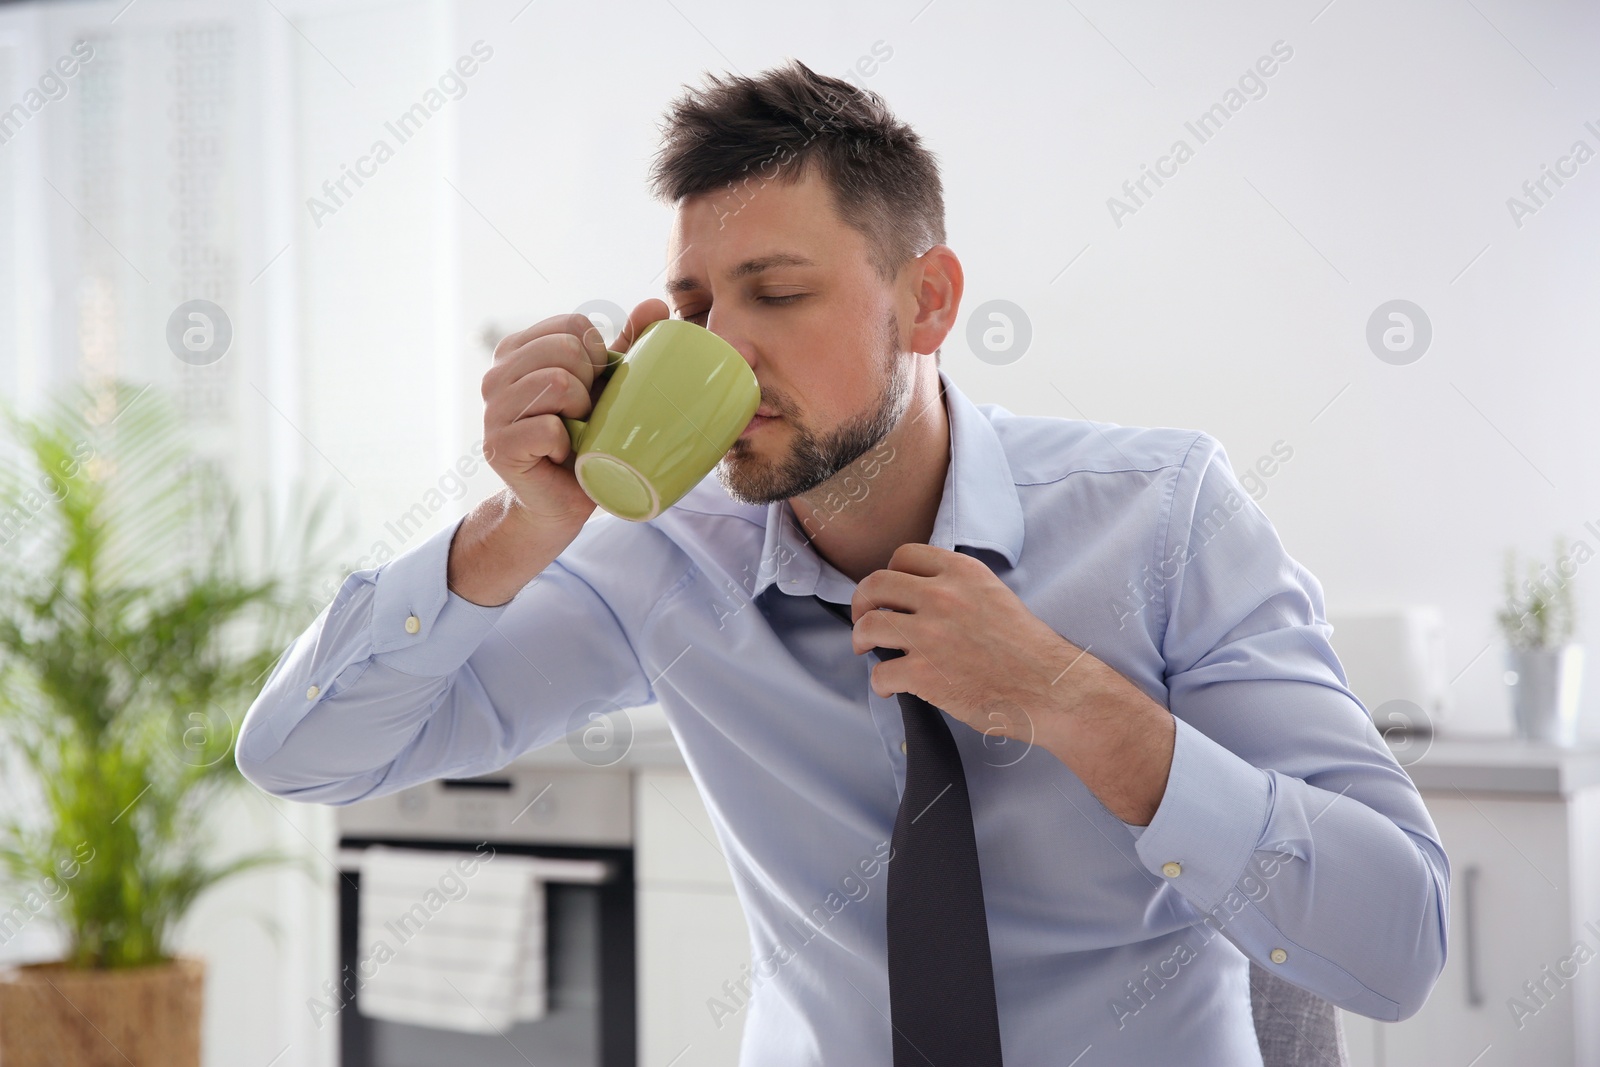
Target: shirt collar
978	509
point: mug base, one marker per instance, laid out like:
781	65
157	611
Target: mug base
617	486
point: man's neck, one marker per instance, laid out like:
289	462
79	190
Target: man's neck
856	519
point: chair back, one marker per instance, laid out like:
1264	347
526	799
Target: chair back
1295	1028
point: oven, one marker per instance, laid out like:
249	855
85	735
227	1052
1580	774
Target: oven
573	814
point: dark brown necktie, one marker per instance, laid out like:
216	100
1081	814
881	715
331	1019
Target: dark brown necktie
941	977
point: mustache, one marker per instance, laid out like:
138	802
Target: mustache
777	402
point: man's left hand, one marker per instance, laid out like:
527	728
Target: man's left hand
974	649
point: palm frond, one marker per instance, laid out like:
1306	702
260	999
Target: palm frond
132	635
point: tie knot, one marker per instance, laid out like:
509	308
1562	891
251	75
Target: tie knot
840	611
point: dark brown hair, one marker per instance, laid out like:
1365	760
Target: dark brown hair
738	133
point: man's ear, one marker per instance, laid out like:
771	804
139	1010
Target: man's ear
936	281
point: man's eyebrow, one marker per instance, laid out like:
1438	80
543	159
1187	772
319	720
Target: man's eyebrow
744	270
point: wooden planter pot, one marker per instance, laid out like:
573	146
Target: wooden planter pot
52	1015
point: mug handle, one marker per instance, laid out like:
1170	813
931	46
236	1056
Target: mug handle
575	427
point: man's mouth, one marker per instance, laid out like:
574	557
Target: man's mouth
756	422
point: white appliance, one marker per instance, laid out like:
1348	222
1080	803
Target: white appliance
1394	659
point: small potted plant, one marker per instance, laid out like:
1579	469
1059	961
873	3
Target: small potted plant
1544	664
130	639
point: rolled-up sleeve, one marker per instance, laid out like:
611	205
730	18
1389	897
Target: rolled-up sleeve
1287	825
399	680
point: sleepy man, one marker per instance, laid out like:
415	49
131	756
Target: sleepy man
1053	689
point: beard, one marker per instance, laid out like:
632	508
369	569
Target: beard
814	458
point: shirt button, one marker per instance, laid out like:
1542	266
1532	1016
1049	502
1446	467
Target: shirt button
902	746
1171	869
311	694
1278	955
413	624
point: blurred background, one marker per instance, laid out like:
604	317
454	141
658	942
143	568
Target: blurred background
1371	271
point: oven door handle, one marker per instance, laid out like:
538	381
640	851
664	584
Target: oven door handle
547	868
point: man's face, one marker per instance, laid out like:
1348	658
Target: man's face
823	337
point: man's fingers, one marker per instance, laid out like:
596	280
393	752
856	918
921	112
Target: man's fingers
545	390
648	311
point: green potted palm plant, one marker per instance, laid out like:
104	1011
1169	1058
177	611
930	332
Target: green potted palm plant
131	639
1544	664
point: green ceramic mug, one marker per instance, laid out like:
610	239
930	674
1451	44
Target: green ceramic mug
669	411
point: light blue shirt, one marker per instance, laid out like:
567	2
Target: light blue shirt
1288	834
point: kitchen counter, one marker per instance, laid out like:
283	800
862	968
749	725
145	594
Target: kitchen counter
651	746
1499	765
1490	764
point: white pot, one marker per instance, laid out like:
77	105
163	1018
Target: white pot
1544	692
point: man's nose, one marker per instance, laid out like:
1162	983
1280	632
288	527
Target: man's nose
735	333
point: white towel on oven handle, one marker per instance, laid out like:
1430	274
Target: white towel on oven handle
456	940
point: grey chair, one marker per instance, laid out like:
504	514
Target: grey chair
1295	1028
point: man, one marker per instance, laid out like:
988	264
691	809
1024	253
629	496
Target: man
1156	742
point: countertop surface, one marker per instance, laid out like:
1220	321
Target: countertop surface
635	739
1499	764
640	738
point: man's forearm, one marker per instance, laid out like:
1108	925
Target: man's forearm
497	550
1115	739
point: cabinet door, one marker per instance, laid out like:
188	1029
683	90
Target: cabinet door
1363	1039
1510	918
694	945
692	949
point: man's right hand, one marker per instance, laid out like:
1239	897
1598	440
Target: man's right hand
540	374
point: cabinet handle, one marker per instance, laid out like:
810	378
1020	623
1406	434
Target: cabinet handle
1469	890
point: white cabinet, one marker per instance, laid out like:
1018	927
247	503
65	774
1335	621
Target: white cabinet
1521	984
693	942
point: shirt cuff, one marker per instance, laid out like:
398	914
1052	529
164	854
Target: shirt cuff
1210	819
419	626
